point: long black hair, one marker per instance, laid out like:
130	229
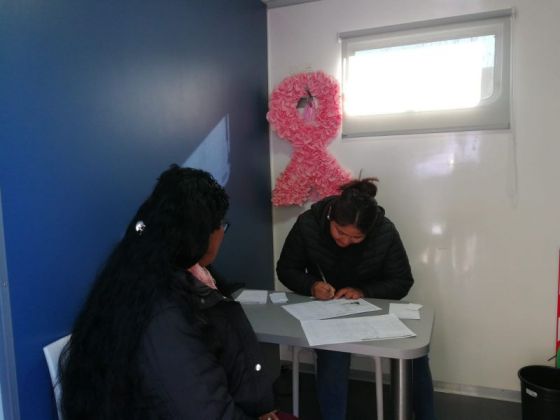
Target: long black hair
100	378
356	205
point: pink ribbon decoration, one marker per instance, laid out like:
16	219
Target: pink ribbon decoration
304	109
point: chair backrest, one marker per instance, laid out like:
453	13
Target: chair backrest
52	354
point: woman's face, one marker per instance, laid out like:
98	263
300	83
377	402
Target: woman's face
214	243
347	235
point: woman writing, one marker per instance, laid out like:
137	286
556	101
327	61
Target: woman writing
345	247
156	341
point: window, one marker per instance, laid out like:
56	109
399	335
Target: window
448	74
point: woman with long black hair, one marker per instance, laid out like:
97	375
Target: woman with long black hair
155	340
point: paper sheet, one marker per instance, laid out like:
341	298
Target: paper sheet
329	308
252	296
405	310
346	330
278	297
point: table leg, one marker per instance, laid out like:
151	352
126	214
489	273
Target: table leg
295	380
401	384
379	387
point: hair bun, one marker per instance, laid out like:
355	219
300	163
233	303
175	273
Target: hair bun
363	189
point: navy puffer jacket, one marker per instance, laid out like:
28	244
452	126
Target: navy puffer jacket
188	376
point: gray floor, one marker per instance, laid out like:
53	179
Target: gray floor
362	404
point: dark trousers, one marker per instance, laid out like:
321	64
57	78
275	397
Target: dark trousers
333	368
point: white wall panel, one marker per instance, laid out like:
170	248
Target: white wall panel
478	212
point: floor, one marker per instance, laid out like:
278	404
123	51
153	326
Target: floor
362	403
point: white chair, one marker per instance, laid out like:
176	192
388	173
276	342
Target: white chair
52	354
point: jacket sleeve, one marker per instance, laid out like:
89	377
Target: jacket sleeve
292	264
395	279
182	373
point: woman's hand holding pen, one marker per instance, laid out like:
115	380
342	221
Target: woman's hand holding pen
322	290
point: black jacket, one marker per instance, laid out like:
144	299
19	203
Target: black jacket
378	265
189	377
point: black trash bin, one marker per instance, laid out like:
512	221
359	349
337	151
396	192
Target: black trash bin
540	392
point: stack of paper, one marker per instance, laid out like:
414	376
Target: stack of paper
405	310
367	328
252	296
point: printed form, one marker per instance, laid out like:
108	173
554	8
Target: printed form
347	330
329	308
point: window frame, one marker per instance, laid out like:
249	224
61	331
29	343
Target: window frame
493	112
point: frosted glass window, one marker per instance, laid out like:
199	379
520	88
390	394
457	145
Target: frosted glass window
432	76
443	75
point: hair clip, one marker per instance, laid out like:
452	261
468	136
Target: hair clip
139	227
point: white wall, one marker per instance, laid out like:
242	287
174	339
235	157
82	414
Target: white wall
491	272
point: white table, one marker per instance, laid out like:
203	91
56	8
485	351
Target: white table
272	324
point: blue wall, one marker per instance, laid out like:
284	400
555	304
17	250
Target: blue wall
97	98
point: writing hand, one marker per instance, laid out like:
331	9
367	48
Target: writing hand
349	293
322	290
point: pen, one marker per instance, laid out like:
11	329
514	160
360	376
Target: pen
332	290
321	272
